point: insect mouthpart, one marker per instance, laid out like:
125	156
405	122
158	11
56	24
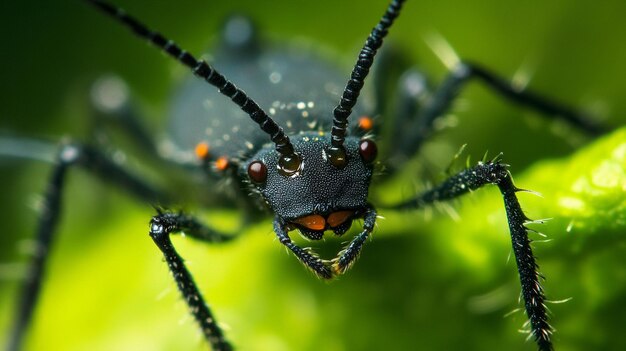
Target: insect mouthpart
313	226
318	222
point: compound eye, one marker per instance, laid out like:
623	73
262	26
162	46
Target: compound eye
368	150
257	171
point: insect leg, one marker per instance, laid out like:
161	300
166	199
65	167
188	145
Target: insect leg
421	127
497	174
112	106
69	154
310	260
390	65
113	109
347	256
161	226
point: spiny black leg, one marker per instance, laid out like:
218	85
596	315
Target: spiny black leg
496	173
69	155
347	256
46	226
111	103
161	226
390	64
113	109
422	126
392	73
530	98
412	92
310	260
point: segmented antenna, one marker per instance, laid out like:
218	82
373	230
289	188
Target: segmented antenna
351	93
289	162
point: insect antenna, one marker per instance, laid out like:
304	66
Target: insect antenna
289	162
337	153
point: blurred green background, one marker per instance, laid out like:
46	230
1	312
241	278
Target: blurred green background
426	280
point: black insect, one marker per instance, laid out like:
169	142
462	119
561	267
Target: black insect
308	154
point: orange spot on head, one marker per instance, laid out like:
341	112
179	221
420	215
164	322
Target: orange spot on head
366	123
221	163
202	150
313	222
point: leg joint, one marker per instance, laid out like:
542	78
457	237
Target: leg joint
69	153
462	70
493	172
162	225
